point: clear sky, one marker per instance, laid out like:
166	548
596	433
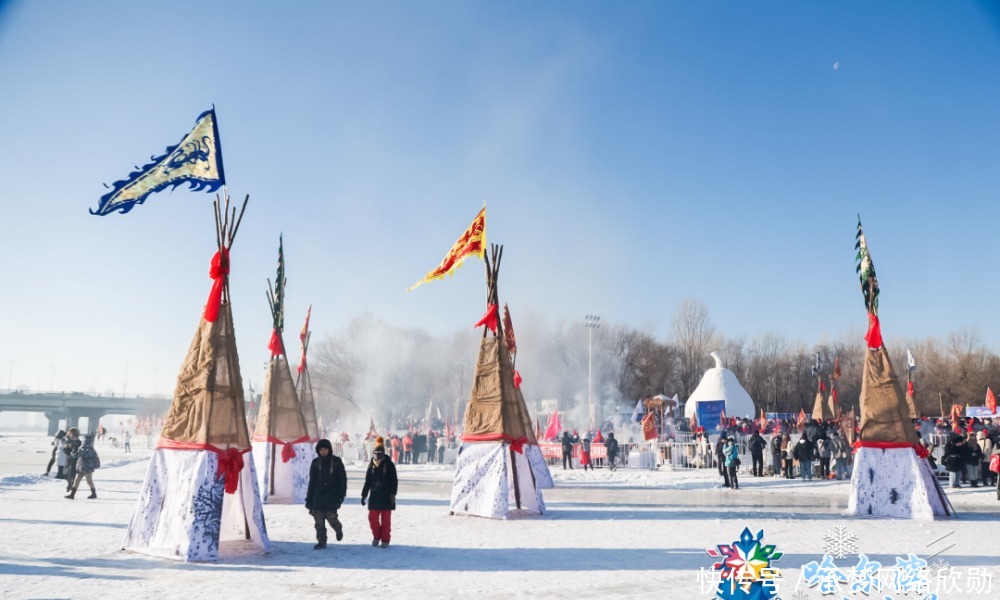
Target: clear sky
630	155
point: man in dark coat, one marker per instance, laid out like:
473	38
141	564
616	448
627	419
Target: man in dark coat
757	444
567	450
381	483
431	446
612	447
327	489
85	462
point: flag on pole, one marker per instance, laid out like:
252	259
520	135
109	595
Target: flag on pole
911	363
304	339
648	427
553	427
196	160
836	368
816	367
637	412
508	331
472	242
802	418
991	401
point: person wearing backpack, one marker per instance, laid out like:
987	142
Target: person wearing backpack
381	482
86	461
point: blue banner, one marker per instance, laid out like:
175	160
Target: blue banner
710	413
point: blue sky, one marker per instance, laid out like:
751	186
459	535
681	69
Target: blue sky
630	154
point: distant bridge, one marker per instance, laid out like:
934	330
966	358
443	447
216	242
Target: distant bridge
72	406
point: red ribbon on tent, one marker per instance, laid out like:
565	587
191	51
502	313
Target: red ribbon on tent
230	465
489	318
217	271
517	445
909	388
274	345
287	452
918	448
517	379
874	335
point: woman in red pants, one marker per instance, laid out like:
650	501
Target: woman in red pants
381	483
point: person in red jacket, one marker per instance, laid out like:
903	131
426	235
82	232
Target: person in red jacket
397	445
407	448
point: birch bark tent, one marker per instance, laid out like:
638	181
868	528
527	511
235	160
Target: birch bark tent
493	468
822	406
303	385
281	439
201	485
891	477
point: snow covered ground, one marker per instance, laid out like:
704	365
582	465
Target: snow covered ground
630	533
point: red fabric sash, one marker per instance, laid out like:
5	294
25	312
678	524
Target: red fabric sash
918	448
874	335
287	452
218	272
230	460
517	379
517	445
274	345
489	318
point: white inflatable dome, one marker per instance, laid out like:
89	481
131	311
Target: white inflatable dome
719	383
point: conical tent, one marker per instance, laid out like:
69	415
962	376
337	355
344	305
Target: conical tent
493	468
201	486
719	383
303	385
281	440
822	408
891	476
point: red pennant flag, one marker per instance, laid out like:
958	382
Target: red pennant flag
836	368
802	418
991	401
517	379
822	387
508	331
598	439
648	427
489	318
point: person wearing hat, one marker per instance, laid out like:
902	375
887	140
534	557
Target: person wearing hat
327	489
381	483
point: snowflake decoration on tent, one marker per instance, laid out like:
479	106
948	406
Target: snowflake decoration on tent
841	541
745	568
800	595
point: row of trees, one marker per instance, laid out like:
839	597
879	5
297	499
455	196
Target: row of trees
393	372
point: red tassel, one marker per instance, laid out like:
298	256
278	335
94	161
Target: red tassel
489	319
909	388
517	379
518	445
287	452
218	272
874	335
230	465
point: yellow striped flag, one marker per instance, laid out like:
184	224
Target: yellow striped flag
472	242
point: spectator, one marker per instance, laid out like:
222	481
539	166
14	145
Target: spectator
954	459
382	484
56	445
585	453
804	454
823	450
327	489
86	461
732	454
776	455
567	450
757	445
612	447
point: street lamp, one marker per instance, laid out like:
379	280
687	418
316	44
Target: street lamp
593	322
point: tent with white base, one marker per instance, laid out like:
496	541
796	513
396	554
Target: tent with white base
201	486
493	471
719	383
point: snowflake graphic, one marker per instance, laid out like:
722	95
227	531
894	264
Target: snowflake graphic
841	541
745	568
800	595
940	568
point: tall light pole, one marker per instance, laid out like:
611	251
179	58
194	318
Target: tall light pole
593	322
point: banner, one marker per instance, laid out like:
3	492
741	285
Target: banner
471	243
709	413
196	160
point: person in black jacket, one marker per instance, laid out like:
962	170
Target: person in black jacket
71	445
804	453
381	482
85	461
567	450
327	489
612	446
955	458
757	444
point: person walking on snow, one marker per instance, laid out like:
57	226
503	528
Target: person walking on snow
87	462
757	445
381	483
732	454
612	446
567	450
585	453
327	489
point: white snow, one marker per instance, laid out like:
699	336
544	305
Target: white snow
719	383
629	533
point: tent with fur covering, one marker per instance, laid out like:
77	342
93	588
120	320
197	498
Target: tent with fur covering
201	486
493	471
891	476
281	440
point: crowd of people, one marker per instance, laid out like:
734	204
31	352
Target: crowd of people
75	459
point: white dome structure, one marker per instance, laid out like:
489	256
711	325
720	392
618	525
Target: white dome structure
719	383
